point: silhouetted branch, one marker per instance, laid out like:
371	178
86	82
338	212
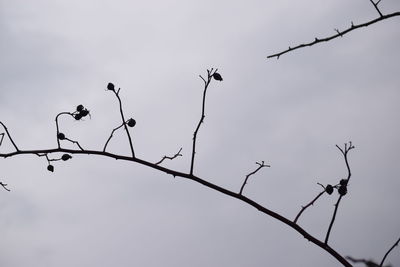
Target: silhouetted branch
376	6
58	128
5	186
343	186
210	74
205	183
123	118
74	142
178	154
309	204
111	135
367	263
387	253
2	137
339	34
9	136
260	166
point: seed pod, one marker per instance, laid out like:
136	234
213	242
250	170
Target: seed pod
131	122
50	168
79	108
344	182
66	157
342	190
61	136
84	112
110	86
329	189
78	116
217	76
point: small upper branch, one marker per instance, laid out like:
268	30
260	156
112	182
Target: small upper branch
178	154
260	166
110	87
9	136
210	74
5	186
376	6
58	128
387	253
309	204
2	137
342	187
111	135
338	34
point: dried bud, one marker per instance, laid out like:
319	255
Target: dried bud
217	76
79	108
110	86
342	190
50	168
344	182
329	189
61	136
66	157
131	122
78	116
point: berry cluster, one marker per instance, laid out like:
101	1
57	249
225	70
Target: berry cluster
341	187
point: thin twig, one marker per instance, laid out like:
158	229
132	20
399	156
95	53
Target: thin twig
2	137
123	121
111	135
75	142
376	6
260	166
339	34
5	186
345	151
9	136
178	154
368	263
309	204
58	128
387	253
206	83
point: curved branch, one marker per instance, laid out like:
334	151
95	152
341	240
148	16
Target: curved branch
178	154
9	136
260	165
189	176
387	253
339	34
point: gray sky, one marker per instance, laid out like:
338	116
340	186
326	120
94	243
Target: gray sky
289	112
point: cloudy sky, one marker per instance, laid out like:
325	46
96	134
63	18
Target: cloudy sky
290	112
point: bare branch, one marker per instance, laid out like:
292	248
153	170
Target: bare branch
339	34
58	128
5	186
210	74
2	137
124	121
309	204
260	166
387	253
376	7
109	138
343	187
178	154
9	136
367	263
74	142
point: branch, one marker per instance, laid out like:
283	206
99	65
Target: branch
260	166
9	136
210	74
109	138
376	7
111	88
339	34
387	253
5	186
203	182
178	154
2	137
309	204
343	186
367	263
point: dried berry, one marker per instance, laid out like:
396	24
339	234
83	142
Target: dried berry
66	157
61	136
131	122
329	189
79	108
217	76
50	168
84	112
342	190
344	182
78	116
110	86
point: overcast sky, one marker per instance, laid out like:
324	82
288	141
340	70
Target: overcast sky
289	112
